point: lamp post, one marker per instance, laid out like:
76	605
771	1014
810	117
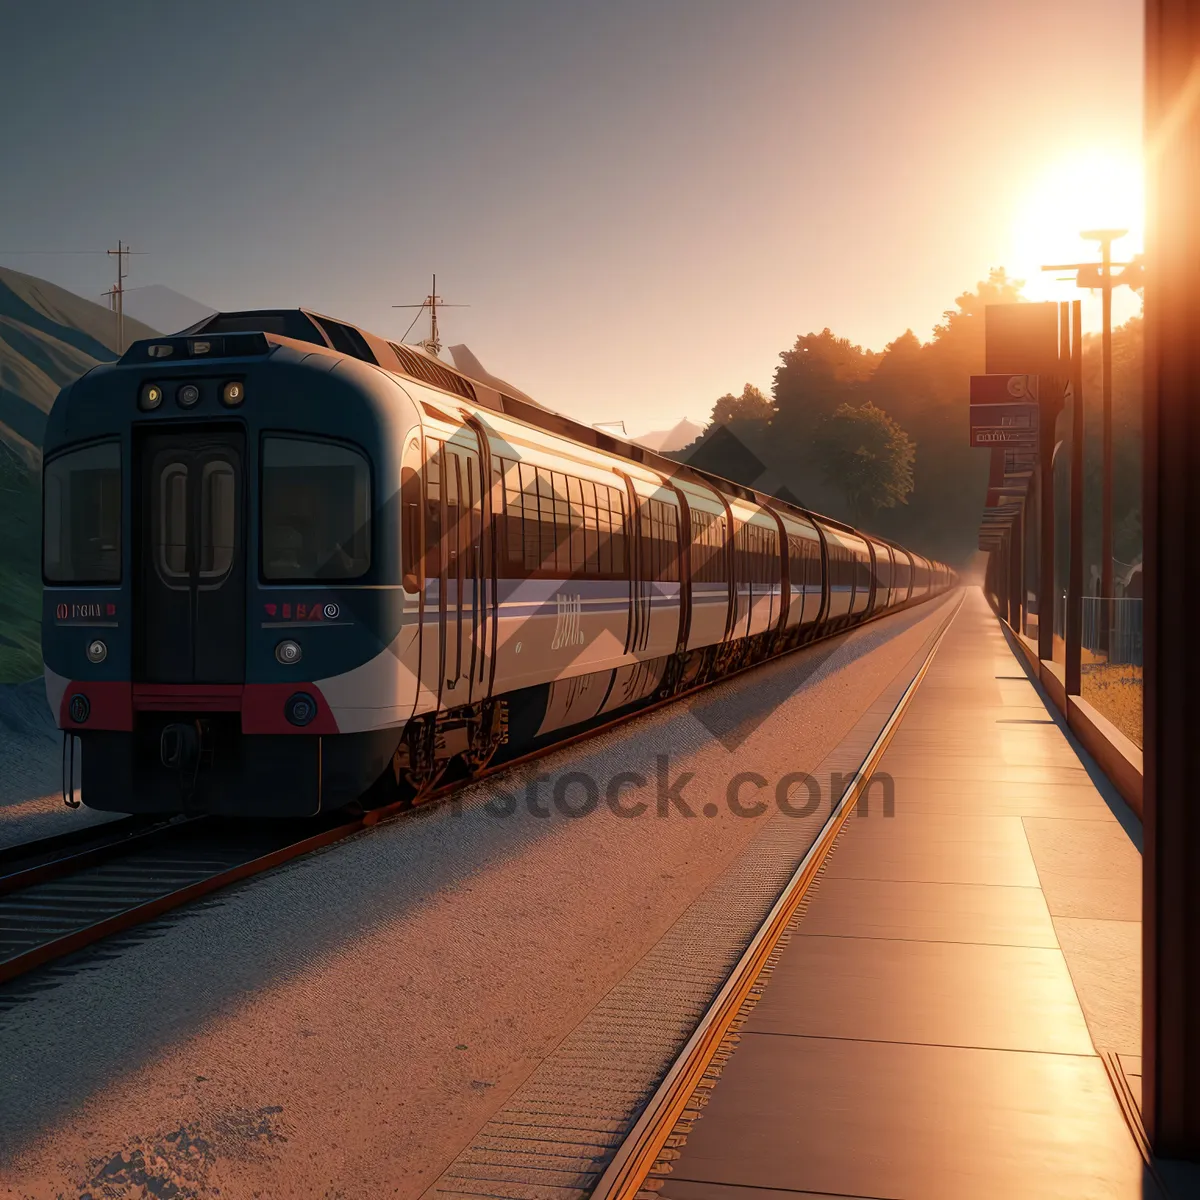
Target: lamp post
1100	275
1106	237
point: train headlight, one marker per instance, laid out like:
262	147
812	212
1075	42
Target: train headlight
300	709
97	651
79	708
288	652
151	397
233	393
187	395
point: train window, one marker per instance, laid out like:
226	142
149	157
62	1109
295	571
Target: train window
862	570
804	563
316	510
709	561
172	540
591	529
82	538
434	459
758	556
604	527
410	533
883	572
660	541
562	525
218	519
575	498
620	558
557	526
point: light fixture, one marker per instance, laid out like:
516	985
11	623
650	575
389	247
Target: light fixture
187	395
160	350
233	393
97	651
151	397
201	347
288	652
300	709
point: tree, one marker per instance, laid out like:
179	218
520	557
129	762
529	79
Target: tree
866	454
751	405
817	374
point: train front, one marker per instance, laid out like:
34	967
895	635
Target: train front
223	626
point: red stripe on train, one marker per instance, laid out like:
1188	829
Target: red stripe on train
112	705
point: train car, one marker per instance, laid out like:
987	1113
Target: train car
291	566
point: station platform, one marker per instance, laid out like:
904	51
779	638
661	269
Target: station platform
955	1011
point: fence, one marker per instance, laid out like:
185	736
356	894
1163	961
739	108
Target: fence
1125	629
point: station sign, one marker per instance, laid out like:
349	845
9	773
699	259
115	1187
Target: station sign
1004	425
1004	389
1004	412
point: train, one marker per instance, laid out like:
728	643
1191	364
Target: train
290	566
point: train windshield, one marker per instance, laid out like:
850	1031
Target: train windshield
316	510
82	527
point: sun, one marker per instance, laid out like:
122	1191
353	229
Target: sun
1091	191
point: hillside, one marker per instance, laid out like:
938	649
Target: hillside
48	336
665	441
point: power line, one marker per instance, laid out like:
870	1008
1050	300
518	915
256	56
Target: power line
11	253
432	302
420	310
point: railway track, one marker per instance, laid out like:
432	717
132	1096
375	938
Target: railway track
63	898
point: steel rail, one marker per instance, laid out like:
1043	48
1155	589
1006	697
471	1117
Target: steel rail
45	861
639	1152
99	833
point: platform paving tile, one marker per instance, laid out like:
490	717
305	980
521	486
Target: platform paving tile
936	863
938	993
921	1034
856	1118
935	912
921	828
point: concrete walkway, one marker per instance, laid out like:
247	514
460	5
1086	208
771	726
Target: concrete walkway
956	1013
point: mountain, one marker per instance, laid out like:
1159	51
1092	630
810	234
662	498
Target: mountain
48	337
666	440
164	309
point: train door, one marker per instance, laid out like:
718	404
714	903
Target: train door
192	570
455	571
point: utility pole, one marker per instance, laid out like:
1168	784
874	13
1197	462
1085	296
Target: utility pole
1100	275
117	293
1106	237
433	343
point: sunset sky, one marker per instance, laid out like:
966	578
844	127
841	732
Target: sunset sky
643	203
